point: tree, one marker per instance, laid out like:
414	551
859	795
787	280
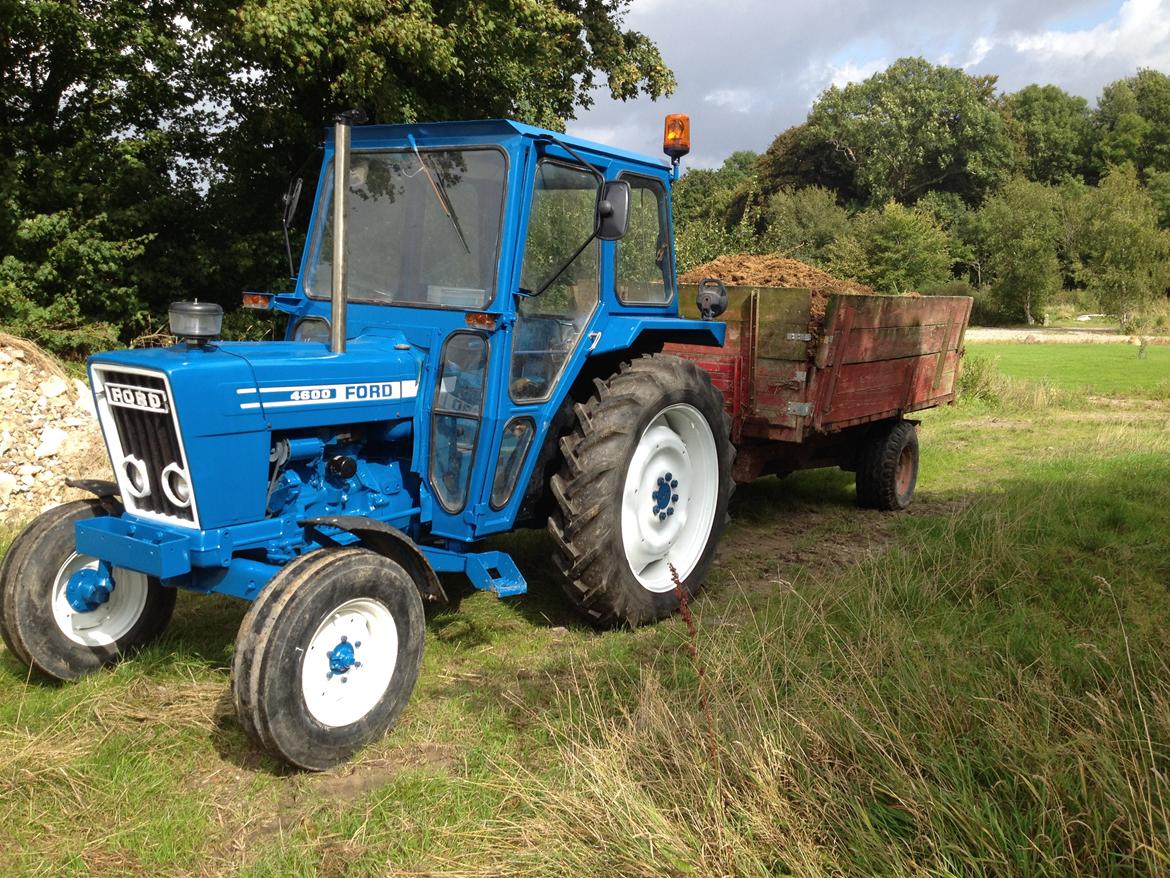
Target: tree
1126	254
706	195
913	128
1133	120
1051	130
1158	185
800	156
803	223
1023	228
895	249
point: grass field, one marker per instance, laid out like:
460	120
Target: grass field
1107	369
977	688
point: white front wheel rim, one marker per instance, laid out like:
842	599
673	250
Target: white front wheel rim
341	697
669	497
109	622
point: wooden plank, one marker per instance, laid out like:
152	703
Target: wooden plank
867	344
890	311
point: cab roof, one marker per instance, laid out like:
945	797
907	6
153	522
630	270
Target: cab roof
483	131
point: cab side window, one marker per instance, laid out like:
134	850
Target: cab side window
645	269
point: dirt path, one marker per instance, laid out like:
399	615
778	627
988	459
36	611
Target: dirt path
977	334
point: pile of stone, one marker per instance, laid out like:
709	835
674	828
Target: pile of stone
48	432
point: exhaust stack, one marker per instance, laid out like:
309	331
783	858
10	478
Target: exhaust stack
340	295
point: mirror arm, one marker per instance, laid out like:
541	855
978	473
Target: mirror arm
552	280
549	138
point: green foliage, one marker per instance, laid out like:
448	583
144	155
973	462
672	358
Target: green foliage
1023	228
703	194
1051	130
915	127
1133	120
895	249
1126	254
1158	185
803	223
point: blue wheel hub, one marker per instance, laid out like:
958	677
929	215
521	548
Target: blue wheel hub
89	588
341	657
664	496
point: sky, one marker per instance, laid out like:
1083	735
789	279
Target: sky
748	69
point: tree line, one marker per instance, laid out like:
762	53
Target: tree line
926	178
145	147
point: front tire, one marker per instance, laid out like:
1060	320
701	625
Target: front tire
39	624
645	485
327	656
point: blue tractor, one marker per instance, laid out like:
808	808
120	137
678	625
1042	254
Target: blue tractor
474	344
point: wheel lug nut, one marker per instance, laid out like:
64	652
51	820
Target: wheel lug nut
668	477
344	679
329	676
674	484
357	643
357	664
670	511
343	638
662	516
674	498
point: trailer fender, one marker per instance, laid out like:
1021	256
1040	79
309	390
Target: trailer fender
391	543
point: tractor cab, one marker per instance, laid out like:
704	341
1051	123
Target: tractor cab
508	255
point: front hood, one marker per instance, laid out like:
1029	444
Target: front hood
235	387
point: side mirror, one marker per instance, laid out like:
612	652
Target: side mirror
613	210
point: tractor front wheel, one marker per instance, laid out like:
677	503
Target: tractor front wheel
327	656
645	487
65	614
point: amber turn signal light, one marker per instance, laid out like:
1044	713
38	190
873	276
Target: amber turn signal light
676	140
261	301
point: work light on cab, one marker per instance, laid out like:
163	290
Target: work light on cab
196	322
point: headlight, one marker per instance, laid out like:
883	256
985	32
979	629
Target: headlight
135	471
312	329
176	485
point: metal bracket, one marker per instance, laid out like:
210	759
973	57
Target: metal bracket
799	336
800	376
801	409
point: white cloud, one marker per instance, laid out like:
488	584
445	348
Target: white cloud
738	100
1140	32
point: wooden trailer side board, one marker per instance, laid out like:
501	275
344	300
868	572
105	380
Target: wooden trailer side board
882	356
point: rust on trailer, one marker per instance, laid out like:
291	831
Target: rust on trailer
790	376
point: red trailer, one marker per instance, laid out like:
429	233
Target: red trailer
813	380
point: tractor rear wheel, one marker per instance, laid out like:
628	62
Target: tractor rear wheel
644	486
64	614
887	471
327	656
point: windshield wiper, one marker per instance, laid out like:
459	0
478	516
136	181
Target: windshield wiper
440	191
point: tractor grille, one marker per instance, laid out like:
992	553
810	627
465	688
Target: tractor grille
139	409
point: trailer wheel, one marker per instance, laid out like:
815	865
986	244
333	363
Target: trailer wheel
888	468
327	656
645	484
65	615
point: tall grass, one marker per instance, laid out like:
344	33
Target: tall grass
981	379
991	700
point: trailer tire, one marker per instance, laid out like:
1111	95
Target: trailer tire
38	624
659	417
887	471
327	656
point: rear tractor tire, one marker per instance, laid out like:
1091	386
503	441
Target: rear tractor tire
327	656
65	615
645	485
887	470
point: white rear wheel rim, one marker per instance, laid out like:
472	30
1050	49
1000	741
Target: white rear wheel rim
339	698
109	622
677	443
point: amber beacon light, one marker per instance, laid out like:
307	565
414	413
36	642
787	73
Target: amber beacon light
676	140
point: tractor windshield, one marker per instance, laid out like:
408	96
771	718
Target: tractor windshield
423	228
